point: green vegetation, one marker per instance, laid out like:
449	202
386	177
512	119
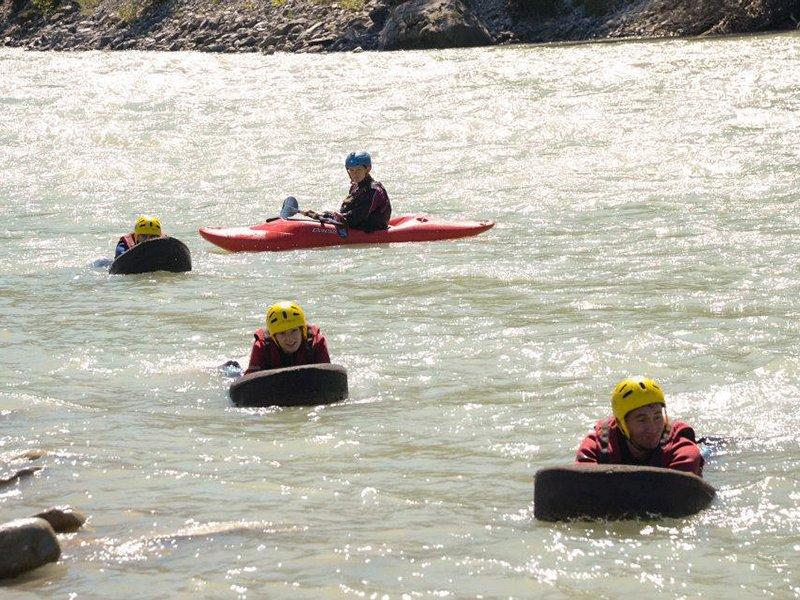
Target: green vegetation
88	6
46	7
354	5
128	11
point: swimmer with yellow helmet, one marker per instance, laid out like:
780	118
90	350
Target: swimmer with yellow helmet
640	433
288	340
146	228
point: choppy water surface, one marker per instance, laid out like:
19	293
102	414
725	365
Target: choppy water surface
646	198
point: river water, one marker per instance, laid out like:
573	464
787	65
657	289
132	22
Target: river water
646	204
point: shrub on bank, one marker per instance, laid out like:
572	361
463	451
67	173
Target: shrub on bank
46	7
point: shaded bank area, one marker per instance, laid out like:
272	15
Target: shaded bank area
342	25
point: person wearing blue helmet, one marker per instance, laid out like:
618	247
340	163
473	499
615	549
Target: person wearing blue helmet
367	205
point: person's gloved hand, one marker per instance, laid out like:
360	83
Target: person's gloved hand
231	368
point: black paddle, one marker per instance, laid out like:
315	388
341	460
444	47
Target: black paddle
291	207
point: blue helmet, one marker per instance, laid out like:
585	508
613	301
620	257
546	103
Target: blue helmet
358	159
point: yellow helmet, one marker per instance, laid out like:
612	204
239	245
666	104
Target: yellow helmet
284	316
633	393
147	226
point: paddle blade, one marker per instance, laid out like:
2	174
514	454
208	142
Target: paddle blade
289	208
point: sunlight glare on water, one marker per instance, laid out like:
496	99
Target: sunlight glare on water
644	197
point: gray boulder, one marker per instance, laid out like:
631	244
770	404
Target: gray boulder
422	24
63	519
26	544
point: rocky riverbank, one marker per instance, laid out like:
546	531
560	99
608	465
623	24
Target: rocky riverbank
344	25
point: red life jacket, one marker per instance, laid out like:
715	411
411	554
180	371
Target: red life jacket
278	359
677	448
129	239
265	354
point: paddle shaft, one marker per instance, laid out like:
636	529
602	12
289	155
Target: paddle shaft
291	208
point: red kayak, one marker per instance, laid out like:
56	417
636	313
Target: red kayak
280	234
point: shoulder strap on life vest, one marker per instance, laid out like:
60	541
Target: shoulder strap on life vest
603	438
129	239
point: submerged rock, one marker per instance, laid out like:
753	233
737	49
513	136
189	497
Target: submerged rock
63	519
32	454
418	24
26	544
26	455
9	478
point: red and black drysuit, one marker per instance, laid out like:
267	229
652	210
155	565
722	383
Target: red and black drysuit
266	354
367	206
606	444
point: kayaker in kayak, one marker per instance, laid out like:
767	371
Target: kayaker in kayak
146	228
367	205
640	433
289	340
